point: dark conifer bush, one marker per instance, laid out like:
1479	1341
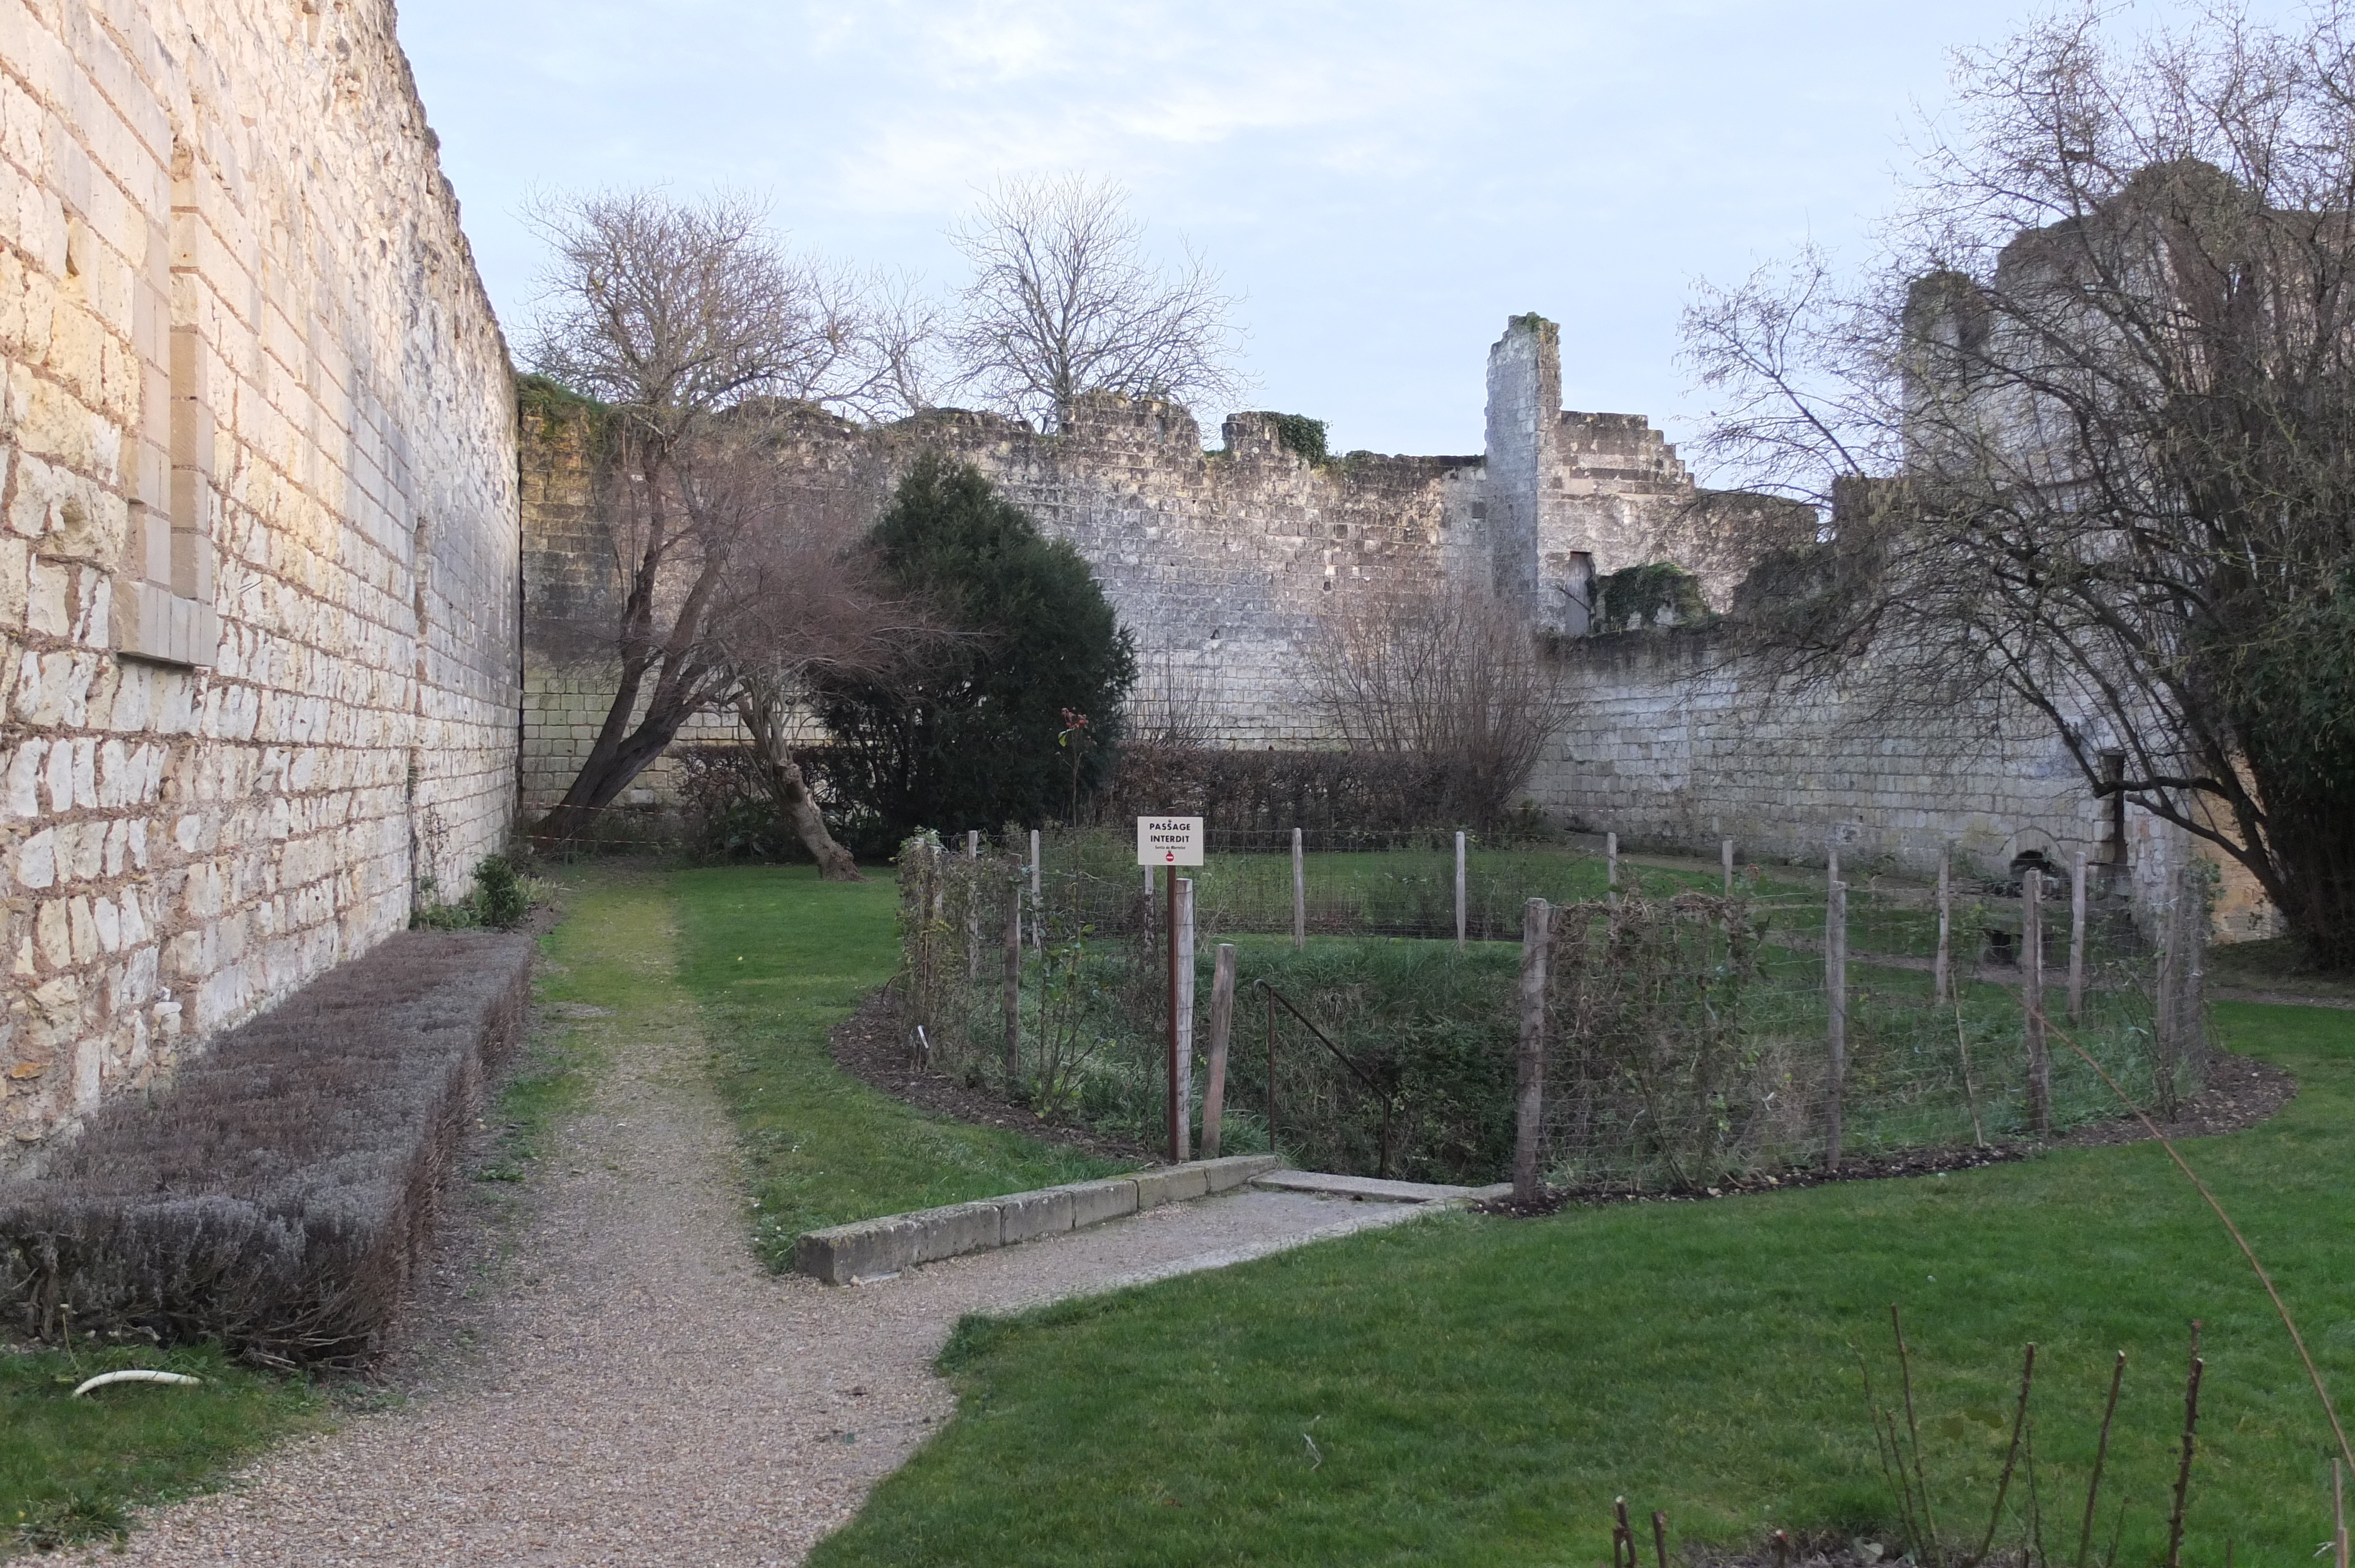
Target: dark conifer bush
277	1195
970	740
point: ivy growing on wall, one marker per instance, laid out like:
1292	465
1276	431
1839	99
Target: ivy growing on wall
1636	595
1299	434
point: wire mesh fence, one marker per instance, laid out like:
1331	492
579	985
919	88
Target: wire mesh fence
1691	1030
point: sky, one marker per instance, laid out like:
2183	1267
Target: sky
1382	184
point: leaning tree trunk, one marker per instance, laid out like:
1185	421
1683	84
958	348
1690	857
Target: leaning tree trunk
790	789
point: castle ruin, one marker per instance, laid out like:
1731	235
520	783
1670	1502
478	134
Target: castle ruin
272	542
257	550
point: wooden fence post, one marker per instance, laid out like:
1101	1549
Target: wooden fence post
1835	1020
1725	854
2167	994
1299	895
2077	941
1223	1021
1459	891
972	911
1013	985
1528	1110
1182	933
1038	907
2031	997
1611	869
2192	1013
1942	970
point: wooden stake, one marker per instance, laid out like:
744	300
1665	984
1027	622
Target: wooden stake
2165	1005
2192	1014
1038	907
1528	1110
1726	855
2338	1508
1299	895
1942	974
1013	986
1834	1020
1175	1121
1222	1019
2191	1447
1270	1066
972	912
1181	926
2031	998
1611	869
2077	941
1459	891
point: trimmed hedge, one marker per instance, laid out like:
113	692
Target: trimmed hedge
278	1194
1332	794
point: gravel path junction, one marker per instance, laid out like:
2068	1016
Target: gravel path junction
637	1391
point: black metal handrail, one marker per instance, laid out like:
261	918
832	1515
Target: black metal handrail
1275	999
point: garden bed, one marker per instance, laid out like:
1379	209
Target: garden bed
278	1196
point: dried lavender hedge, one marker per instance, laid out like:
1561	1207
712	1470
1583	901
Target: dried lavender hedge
278	1194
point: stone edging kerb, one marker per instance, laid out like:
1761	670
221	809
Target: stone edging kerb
875	1249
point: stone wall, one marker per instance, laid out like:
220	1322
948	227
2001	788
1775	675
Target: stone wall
1677	743
1219	562
258	554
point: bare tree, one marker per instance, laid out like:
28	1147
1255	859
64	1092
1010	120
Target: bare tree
1065	301
1452	671
807	603
697	333
2091	433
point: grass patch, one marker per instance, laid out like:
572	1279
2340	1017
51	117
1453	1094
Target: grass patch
775	959
1480	1390
577	995
71	1469
2276	964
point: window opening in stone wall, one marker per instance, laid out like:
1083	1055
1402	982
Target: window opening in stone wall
163	599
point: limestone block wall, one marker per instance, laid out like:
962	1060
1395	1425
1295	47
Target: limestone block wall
259	565
1676	744
1216	562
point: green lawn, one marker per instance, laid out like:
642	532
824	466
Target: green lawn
69	1468
1480	1390
774	959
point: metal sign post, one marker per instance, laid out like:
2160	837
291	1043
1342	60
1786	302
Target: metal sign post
1170	843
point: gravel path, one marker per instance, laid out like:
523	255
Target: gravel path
641	1393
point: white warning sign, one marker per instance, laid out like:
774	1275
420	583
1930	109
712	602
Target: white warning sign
1169	841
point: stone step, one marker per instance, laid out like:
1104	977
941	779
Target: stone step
1374	1190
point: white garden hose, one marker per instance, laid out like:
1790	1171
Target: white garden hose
102	1379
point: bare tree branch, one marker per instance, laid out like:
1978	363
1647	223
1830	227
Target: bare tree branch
1064	301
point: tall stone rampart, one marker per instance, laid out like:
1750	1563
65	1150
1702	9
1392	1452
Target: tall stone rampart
1221	563
1676	742
259	567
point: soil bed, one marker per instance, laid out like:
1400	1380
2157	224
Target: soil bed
871	1046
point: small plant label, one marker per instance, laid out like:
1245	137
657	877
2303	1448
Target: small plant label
1169	841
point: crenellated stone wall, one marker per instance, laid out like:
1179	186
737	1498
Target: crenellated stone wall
258	564
1219	562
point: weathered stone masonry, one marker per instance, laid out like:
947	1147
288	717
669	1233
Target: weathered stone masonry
257	560
1221	563
1217	562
